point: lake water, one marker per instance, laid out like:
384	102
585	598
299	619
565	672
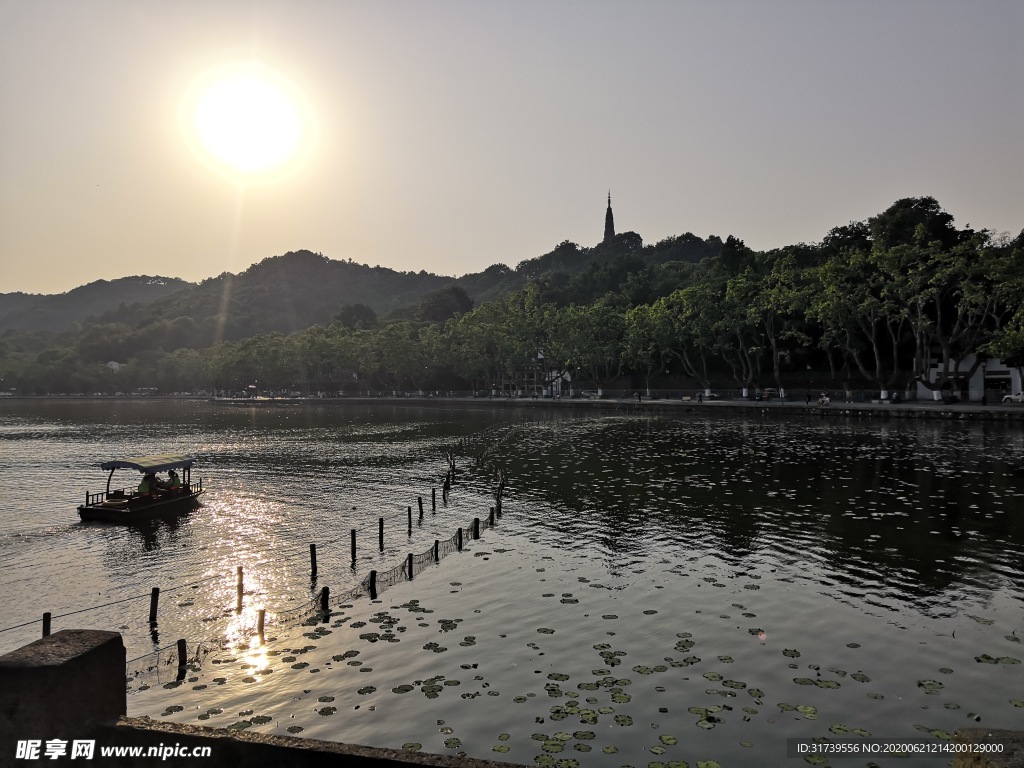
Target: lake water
658	590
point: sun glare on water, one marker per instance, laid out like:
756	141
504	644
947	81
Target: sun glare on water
248	122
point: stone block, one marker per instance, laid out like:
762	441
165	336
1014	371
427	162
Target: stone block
61	685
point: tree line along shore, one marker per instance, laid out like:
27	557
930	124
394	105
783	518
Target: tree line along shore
902	303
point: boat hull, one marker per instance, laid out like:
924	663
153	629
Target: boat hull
133	511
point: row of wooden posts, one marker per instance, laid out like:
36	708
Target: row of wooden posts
154	598
323	598
324	595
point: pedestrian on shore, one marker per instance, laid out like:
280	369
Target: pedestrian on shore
700	397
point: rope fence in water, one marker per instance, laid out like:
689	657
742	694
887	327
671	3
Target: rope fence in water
156	665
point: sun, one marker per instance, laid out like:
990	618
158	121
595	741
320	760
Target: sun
248	122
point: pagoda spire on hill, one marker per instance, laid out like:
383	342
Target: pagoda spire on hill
609	221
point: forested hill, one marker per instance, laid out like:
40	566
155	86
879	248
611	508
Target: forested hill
282	293
36	312
300	289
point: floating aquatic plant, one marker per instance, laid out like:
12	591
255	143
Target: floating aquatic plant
986	659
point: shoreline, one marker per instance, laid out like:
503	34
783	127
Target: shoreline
875	410
911	410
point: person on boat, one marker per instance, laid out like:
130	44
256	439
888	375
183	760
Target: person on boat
173	483
148	485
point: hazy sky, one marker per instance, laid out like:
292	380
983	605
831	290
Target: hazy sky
449	136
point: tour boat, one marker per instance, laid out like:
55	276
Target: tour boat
129	505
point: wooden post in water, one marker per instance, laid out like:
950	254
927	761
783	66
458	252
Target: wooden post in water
238	607
410	566
182	659
154	600
491	518
410	520
373	585
312	561
458	539
419	500
325	599
380	533
433	501
437	548
476	527
46	624
261	617
353	546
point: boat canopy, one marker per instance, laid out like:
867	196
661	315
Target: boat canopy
159	463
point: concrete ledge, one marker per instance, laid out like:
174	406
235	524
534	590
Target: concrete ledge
1011	756
258	750
60	685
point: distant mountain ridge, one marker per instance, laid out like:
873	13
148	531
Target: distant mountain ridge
57	312
299	289
282	294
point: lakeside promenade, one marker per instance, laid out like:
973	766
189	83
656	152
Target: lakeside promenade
1012	412
910	409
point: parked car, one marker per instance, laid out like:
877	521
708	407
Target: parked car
1018	398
